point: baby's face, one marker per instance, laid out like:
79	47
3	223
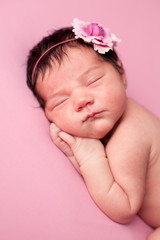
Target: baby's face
84	96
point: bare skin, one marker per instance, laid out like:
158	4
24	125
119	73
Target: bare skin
86	99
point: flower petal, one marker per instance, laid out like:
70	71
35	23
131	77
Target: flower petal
101	49
103	40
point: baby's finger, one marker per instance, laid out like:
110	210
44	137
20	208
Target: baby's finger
70	140
53	128
54	131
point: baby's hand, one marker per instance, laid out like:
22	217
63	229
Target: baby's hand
62	145
81	149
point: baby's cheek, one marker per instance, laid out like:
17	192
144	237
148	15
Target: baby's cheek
48	115
69	125
61	120
51	115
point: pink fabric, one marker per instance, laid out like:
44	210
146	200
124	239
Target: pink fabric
41	195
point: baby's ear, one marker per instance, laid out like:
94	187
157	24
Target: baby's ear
122	73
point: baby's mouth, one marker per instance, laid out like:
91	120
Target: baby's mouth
92	116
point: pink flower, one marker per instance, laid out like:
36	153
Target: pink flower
101	38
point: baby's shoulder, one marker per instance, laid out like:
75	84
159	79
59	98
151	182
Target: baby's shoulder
136	128
137	117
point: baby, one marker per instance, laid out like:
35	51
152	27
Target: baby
112	141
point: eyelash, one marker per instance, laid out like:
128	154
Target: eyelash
58	103
93	81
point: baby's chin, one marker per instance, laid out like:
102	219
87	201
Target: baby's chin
95	135
95	131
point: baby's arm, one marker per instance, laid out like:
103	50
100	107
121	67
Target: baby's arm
116	182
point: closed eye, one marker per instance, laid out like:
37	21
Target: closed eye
93	81
59	102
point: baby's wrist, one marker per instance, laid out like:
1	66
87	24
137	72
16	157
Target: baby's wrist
92	162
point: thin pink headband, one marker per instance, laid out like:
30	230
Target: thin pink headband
68	40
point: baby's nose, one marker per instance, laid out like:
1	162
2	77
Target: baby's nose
81	100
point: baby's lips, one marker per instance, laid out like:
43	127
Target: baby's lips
92	115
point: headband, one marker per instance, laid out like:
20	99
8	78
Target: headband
68	40
93	33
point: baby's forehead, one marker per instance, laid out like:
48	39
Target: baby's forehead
74	62
75	57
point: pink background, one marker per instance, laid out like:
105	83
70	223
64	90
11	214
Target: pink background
41	195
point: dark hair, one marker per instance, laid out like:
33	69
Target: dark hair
57	53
